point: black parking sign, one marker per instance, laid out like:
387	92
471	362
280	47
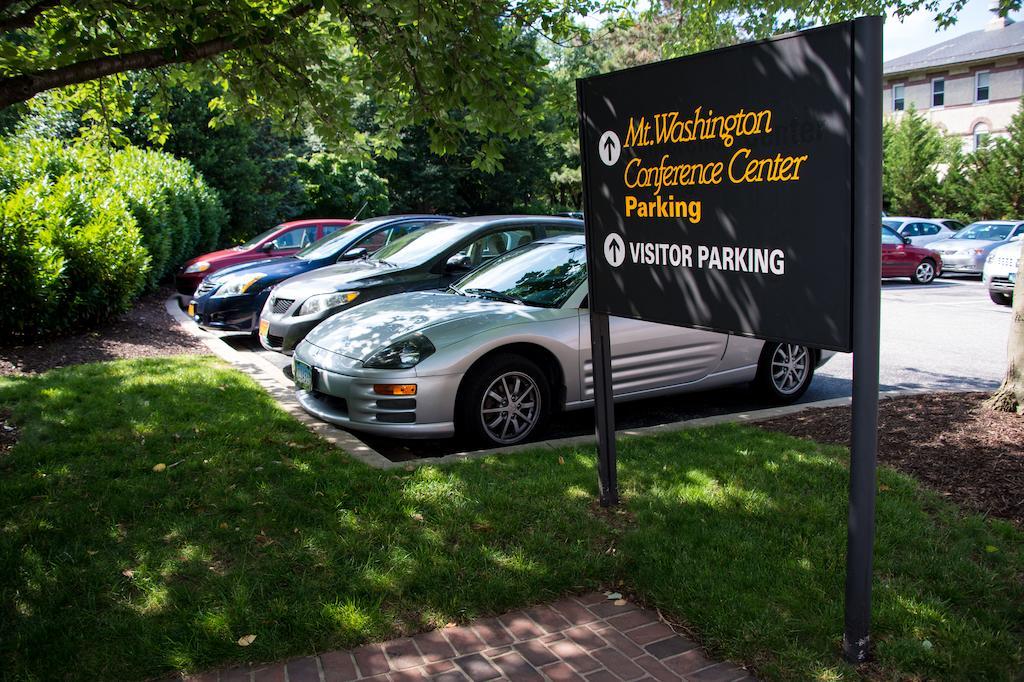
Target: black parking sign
718	189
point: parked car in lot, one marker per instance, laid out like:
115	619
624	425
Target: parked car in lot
430	259
966	251
231	299
508	345
284	240
922	231
900	258
1000	273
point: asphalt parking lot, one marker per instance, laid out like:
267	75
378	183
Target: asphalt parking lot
944	336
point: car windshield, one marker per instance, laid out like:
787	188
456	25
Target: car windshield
257	239
539	274
989	232
893	224
329	245
416	247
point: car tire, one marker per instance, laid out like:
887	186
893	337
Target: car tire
784	371
1000	298
924	273
481	414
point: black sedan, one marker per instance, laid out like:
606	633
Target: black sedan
231	299
432	258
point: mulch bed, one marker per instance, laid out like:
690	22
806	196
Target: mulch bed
948	441
144	331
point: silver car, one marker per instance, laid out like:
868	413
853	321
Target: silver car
966	251
1000	274
509	344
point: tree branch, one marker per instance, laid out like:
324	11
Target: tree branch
16	89
27	17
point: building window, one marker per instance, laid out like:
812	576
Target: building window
980	135
938	92
897	98
981	86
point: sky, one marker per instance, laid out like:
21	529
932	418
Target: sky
919	31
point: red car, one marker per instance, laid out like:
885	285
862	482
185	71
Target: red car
900	258
284	240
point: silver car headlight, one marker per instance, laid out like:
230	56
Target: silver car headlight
236	285
321	302
199	266
404	353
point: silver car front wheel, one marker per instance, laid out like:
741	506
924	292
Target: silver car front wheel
510	407
504	401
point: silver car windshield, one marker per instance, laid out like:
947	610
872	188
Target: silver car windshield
539	274
990	232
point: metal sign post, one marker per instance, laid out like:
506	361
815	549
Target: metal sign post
604	409
867	200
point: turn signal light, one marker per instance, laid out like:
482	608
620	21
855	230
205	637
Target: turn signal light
394	389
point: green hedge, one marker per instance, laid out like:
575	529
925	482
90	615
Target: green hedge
84	231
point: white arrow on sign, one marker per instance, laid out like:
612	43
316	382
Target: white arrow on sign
614	250
609	148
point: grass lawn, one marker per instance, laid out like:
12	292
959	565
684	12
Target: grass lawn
111	570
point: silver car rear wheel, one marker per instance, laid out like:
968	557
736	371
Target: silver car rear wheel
510	408
785	371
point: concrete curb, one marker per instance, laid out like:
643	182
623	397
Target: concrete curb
269	377
751	417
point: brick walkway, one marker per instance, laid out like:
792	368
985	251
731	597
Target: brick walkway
584	638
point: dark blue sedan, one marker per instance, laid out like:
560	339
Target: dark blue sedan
231	299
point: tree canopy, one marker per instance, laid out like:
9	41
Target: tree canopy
455	67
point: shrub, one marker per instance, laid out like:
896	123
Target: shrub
71	255
83	230
177	213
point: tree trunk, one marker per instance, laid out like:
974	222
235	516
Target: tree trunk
1010	396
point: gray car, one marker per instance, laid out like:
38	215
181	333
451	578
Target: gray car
966	251
431	258
508	345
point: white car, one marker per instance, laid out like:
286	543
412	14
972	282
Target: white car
922	231
1000	273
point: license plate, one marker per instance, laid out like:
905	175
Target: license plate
191	309
1012	277
264	328
303	375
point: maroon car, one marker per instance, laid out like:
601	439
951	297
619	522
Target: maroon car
284	240
900	258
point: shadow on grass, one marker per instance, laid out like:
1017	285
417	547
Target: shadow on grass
111	570
742	533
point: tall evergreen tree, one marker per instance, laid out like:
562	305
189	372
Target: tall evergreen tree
911	157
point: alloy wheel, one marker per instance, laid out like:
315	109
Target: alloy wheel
511	407
790	365
925	272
